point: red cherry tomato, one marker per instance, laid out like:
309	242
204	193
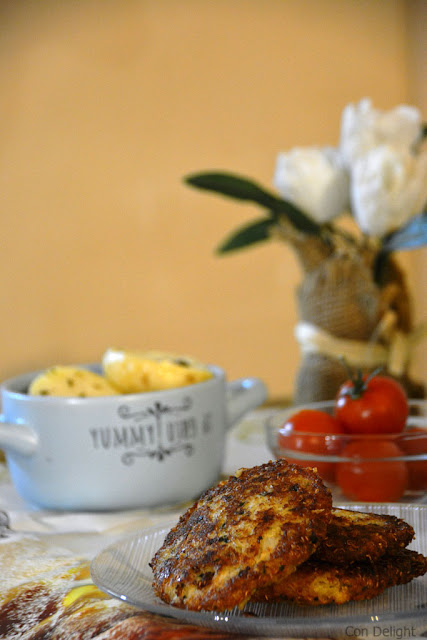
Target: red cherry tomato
370	480
414	442
371	405
311	431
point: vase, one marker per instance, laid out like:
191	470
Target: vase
349	318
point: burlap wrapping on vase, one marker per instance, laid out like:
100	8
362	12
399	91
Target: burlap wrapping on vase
339	299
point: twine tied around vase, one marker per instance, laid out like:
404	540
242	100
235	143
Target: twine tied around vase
369	354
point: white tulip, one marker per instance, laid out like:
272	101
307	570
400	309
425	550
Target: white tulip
314	180
363	128
388	187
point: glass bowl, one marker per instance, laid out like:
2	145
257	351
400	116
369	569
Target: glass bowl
360	468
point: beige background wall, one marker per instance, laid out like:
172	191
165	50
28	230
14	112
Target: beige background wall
106	105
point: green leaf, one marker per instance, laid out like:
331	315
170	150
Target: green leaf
241	188
258	231
233	186
411	236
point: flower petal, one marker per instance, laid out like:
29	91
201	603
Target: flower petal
388	187
363	128
313	179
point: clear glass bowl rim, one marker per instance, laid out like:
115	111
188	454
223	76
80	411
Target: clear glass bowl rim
274	421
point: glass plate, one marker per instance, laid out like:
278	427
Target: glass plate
400	612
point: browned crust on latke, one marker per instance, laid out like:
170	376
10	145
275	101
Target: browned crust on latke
354	536
316	583
242	534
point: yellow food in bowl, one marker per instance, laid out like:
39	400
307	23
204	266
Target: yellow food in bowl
134	371
123	372
71	381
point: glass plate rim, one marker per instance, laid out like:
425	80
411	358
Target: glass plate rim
277	625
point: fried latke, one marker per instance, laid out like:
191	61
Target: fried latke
244	533
354	536
315	582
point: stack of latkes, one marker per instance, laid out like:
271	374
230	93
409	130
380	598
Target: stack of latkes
271	533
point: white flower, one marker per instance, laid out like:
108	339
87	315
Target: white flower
314	180
363	128
388	187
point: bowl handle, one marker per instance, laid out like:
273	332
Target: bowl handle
243	395
17	438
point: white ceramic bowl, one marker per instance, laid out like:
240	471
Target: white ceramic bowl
121	451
